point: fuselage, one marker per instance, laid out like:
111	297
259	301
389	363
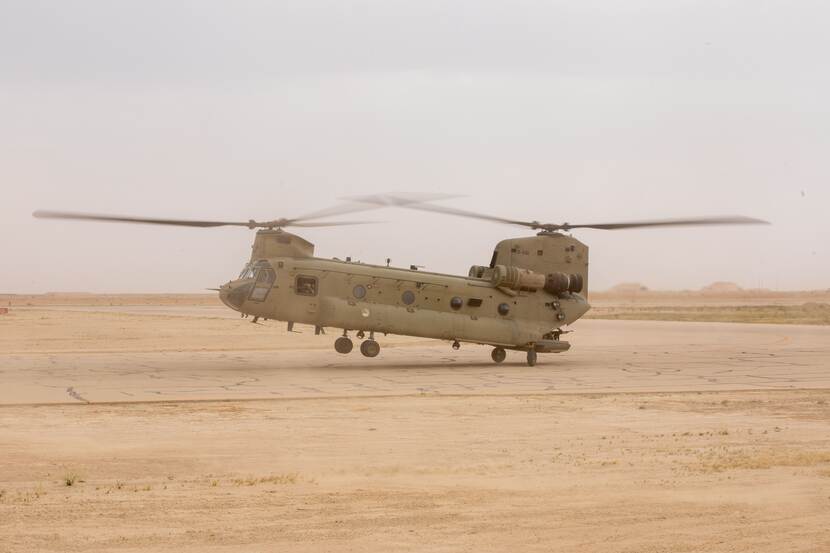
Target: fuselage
374	298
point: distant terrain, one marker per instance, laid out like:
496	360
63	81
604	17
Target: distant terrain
718	302
93	299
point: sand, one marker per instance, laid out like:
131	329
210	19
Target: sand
181	427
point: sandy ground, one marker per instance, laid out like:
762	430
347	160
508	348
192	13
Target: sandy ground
184	428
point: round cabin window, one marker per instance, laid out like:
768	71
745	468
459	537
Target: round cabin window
408	297
456	303
504	309
359	291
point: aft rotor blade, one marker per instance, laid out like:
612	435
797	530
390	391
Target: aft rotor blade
409	203
341	209
696	221
692	222
364	203
144	220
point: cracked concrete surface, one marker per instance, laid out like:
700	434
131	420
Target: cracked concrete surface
618	356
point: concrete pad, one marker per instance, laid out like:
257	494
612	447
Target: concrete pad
607	356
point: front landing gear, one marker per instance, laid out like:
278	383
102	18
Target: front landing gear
498	355
370	348
343	345
531	358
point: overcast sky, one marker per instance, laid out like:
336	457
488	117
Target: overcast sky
558	111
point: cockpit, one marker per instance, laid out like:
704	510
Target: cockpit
247	271
254	284
265	277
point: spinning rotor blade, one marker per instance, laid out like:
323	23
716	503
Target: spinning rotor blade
340	209
694	222
120	219
697	221
410	203
312	224
354	205
251	224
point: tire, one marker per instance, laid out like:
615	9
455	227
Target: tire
343	345
531	358
370	348
498	355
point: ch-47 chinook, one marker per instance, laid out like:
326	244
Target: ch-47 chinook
532	288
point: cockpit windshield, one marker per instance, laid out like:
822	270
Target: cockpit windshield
265	278
247	271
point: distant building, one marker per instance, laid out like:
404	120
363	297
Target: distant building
628	288
721	288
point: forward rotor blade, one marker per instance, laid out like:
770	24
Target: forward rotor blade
693	222
354	205
189	223
410	203
145	220
311	224
340	209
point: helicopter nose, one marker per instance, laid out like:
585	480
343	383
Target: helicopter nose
234	293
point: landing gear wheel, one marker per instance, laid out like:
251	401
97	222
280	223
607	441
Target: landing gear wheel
370	348
498	355
531	358
343	345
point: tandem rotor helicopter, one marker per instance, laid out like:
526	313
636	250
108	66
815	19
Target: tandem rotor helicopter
532	287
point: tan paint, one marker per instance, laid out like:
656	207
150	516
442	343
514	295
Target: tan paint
559	253
532	314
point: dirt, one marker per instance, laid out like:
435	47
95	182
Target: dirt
647	472
159	427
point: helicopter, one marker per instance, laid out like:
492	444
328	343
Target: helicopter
532	287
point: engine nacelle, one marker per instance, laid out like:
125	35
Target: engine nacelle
477	271
557	283
516	278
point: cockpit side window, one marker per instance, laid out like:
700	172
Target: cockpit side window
494	258
265	279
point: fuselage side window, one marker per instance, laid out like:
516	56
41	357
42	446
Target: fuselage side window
306	285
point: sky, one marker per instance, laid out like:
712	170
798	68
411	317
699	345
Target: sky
582	112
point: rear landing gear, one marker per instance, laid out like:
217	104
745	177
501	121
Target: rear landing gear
498	355
531	358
